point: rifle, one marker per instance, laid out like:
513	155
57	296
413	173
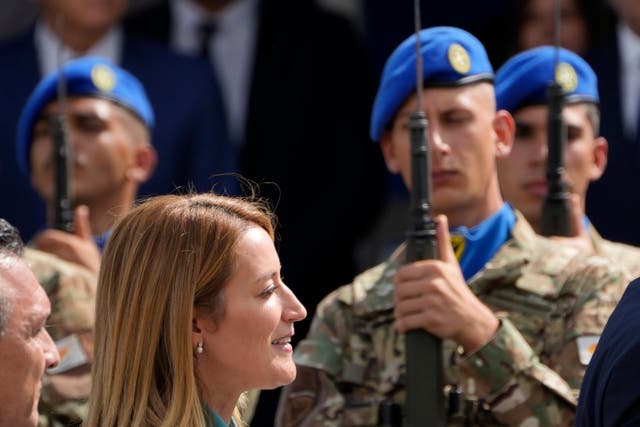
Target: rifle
424	393
63	211
555	219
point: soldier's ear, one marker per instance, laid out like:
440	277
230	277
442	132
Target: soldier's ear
145	161
504	127
389	152
600	158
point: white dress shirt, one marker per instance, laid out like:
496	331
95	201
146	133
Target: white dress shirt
232	51
629	44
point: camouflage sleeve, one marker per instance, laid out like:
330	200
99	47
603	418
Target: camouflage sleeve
517	386
522	386
313	399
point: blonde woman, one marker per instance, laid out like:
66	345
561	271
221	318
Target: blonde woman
191	312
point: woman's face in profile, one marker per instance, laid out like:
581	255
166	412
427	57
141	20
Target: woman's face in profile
250	347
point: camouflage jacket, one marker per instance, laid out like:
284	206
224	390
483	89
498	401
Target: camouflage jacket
625	256
549	299
72	291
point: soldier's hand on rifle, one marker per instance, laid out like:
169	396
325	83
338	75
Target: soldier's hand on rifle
580	235
78	247
433	295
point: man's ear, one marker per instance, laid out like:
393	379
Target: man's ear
600	158
145	161
504	126
389	153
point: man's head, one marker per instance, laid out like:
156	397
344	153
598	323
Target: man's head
84	16
629	12
536	24
10	239
465	133
108	120
521	88
25	345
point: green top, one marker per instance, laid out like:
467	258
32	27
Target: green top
211	415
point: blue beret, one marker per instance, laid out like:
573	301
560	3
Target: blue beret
523	80
88	76
450	57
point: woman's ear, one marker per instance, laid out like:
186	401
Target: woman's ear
196	327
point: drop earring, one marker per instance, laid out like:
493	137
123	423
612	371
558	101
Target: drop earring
199	347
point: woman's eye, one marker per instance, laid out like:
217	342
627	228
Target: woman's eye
268	291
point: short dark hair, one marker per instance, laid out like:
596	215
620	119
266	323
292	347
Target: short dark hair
10	245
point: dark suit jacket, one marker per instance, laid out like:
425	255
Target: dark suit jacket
610	395
190	133
614	200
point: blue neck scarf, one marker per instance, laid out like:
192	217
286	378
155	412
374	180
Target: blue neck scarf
474	247
101	240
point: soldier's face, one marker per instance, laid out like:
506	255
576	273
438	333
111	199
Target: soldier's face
465	136
84	15
522	174
25	345
104	150
249	347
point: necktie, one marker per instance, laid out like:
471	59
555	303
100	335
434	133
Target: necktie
205	31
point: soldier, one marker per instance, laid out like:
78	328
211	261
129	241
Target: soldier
521	88
108	120
514	309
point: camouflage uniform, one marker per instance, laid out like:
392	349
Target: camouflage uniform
625	256
545	295
71	290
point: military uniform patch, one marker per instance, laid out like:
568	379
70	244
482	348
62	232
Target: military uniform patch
71	354
586	346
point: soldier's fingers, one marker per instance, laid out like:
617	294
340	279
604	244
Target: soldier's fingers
81	222
413	306
445	250
406	289
423	320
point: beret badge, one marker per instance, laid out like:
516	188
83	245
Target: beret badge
459	58
566	77
103	78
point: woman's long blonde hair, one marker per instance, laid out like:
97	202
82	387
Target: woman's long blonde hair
166	256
